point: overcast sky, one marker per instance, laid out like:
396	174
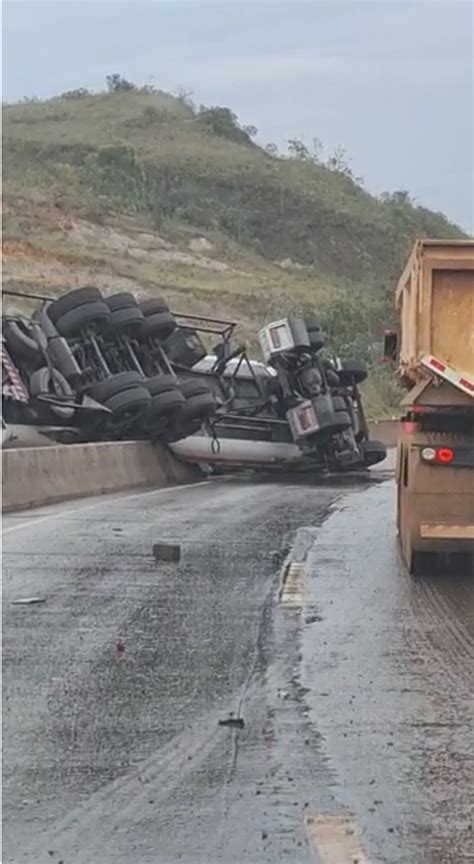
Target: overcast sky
390	80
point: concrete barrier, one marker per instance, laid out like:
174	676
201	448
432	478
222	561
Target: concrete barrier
386	431
33	476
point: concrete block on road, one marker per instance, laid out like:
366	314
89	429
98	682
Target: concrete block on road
168	552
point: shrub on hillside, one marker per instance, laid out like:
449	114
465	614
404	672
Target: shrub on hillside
117	84
79	93
223	122
353	322
151	115
116	173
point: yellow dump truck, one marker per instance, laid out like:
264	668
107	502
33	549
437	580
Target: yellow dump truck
435	349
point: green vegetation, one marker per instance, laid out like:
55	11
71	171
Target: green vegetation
295	230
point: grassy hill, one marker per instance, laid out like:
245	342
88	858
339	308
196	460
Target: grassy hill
139	189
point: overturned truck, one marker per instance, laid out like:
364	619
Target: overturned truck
298	408
86	367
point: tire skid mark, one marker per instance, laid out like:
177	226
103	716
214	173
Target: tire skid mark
125	797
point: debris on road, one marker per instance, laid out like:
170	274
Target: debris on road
170	552
27	601
120	649
335	837
236	722
312	619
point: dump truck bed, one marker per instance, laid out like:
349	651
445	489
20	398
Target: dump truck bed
435	301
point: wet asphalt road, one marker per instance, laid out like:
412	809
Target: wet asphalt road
354	680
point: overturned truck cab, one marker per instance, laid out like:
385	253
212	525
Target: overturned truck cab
298	408
320	397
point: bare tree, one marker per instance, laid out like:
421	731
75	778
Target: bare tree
298	150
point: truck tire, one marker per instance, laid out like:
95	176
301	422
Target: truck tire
161	384
154	304
129	403
167	404
330	373
342	420
316	336
352	372
416	560
312	323
125	320
193	387
405	530
116	384
20	340
124	300
374	452
339	403
71	323
180	428
72	300
332	378
316	340
185	347
160	324
52	383
201	406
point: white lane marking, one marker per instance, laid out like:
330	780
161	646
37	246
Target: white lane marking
335	837
104	500
293	586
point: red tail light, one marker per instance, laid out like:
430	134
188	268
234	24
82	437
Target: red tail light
444	455
441	455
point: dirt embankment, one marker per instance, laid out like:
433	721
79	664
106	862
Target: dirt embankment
62	252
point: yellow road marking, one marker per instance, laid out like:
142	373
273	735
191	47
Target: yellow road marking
292	592
336	838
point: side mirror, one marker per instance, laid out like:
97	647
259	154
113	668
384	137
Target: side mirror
390	345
